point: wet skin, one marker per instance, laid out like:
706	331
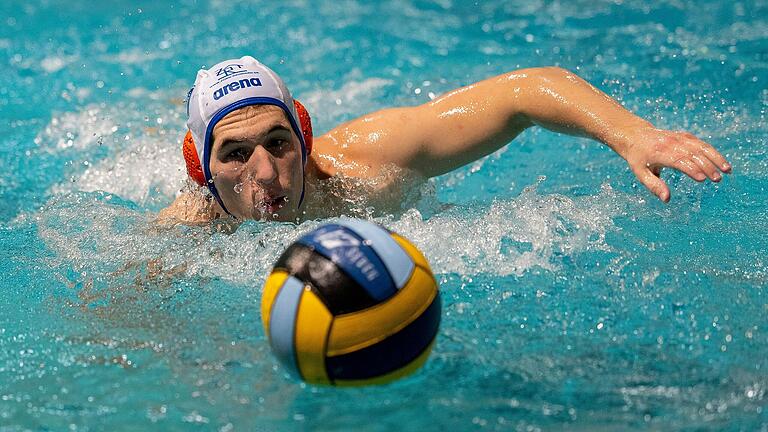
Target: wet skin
437	137
256	163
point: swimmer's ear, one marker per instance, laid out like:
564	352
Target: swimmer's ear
194	169
306	124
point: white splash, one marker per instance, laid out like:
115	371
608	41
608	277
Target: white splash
513	236
77	130
145	167
132	149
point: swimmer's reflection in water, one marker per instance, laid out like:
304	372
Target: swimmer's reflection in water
252	145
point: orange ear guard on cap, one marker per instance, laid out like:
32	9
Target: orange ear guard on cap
195	170
305	123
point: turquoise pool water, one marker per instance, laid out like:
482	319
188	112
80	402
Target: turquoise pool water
572	299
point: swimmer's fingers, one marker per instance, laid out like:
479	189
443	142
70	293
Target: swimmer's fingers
652	149
686	165
689	155
707	167
652	181
705	150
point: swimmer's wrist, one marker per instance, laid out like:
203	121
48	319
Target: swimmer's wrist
621	137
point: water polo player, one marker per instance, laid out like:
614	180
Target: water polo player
251	144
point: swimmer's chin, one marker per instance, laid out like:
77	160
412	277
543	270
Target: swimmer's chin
272	209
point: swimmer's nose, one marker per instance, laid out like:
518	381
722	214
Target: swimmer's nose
262	166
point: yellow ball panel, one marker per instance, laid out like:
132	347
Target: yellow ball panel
357	330
313	320
272	286
413	252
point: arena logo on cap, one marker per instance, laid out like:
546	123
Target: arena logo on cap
227	70
235	86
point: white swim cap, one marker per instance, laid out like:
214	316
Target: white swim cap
225	87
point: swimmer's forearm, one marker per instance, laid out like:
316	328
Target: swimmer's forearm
473	121
558	100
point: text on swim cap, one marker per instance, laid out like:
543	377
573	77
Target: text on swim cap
235	86
228	70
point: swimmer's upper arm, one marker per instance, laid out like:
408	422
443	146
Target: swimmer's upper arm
444	134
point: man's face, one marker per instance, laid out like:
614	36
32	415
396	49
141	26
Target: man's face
256	163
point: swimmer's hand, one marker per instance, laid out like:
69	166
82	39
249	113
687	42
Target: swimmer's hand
647	150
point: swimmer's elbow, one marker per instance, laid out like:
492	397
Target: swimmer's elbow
537	73
551	74
527	86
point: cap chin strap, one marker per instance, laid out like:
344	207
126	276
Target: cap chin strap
195	169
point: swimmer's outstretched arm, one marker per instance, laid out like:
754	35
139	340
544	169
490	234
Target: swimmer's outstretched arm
473	121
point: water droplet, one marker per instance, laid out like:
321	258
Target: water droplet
238	188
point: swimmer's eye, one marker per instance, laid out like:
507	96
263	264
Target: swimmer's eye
276	145
276	142
239	154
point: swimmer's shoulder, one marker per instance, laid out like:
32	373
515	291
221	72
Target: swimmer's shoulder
358	148
189	208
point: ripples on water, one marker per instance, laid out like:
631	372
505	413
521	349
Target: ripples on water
571	297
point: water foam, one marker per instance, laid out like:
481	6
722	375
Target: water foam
512	236
78	130
131	149
98	235
147	167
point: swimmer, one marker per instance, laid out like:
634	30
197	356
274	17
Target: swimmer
251	144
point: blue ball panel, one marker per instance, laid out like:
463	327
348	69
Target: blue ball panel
282	323
399	264
347	250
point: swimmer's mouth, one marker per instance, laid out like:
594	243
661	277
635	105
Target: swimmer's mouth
272	205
